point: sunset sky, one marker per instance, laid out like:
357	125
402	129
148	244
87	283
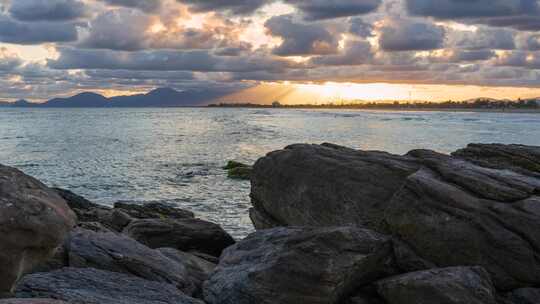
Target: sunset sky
263	50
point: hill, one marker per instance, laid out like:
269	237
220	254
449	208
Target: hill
161	97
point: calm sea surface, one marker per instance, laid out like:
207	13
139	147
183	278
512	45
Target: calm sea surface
176	155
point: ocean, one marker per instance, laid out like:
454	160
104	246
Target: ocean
175	155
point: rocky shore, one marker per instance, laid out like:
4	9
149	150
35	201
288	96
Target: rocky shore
334	226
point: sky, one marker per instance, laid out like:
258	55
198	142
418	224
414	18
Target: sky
294	51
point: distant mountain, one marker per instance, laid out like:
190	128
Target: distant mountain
161	97
83	100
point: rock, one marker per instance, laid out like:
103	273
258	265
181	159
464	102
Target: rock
456	285
93	286
447	210
519	158
95	226
450	222
118	253
311	185
524	296
198	269
149	210
34	220
237	170
31	301
88	212
299	265
74	201
181	234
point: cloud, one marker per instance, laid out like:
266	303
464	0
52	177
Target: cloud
330	9
8	60
361	28
301	39
354	53
237	7
455	9
483	38
143	5
163	60
47	10
13	31
404	35
519	14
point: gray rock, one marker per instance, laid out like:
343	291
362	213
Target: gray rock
34	220
312	185
182	234
92	286
519	158
147	210
75	201
299	265
118	253
447	210
198	269
456	285
524	296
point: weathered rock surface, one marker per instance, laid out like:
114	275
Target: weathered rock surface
118	253
311	185
456	285
147	210
524	296
519	158
92	286
34	220
299	265
182	234
198	269
449	211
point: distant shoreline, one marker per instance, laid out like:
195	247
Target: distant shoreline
386	109
461	110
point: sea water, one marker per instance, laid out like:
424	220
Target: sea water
175	155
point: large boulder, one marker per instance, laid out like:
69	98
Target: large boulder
445	210
118	253
456	285
299	265
34	220
327	185
455	213
93	286
187	234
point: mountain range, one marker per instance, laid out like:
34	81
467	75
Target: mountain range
161	97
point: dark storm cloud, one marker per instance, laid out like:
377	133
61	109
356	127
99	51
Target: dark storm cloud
519	14
329	9
354	53
162	60
475	55
483	38
238	7
361	28
143	5
13	31
301	39
455	9
411	36
47	10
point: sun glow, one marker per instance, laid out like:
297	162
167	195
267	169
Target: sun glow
334	92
